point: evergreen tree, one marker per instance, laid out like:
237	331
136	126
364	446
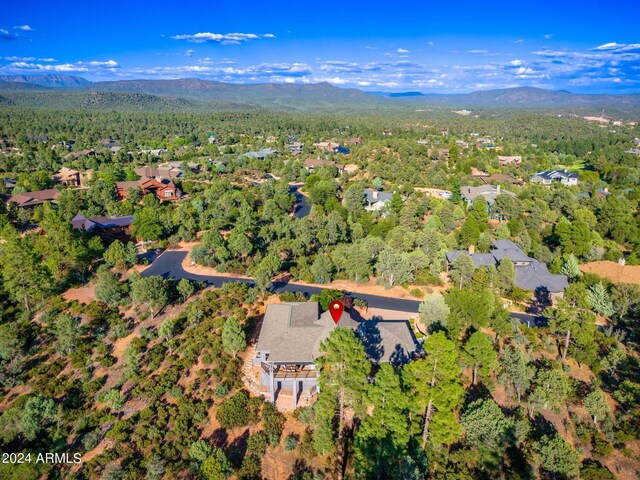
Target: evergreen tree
433	310
515	369
233	337
599	299
557	456
478	354
434	388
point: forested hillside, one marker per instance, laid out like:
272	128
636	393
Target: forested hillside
145	376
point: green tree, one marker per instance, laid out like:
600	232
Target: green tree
434	388
147	224
550	391
597	405
185	288
150	291
108	288
515	370
487	429
570	268
394	267
433	310
383	435
343	368
216	466
67	332
233	337
478	354
557	456
354	200
506	274
462	270
116	255
37	414
599	299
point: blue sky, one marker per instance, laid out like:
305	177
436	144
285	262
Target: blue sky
433	47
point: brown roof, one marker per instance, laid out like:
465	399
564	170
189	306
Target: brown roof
29	199
613	271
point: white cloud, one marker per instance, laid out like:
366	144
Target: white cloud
17	59
548	36
478	52
402	50
618	47
108	63
24	28
47	59
189	53
516	62
222	38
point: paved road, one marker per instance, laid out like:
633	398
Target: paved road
302	208
169	265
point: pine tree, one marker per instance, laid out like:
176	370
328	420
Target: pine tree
478	354
570	268
343	368
233	337
515	369
433	383
599	299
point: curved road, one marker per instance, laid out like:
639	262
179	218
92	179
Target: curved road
302	207
169	265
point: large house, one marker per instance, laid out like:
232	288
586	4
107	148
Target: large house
376	200
31	199
111	228
290	338
505	160
168	170
164	189
295	148
312	164
261	154
531	274
488	192
70	177
555	176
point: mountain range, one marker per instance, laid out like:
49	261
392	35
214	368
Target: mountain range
65	91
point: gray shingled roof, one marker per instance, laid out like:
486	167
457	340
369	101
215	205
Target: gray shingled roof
382	196
554	174
485	259
536	276
293	332
506	248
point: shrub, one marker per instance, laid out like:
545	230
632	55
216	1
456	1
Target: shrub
233	412
290	443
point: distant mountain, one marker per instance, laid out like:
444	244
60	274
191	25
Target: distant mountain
197	94
48	80
119	101
529	97
261	94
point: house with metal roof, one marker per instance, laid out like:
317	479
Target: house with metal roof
290	339
31	199
531	274
111	228
555	176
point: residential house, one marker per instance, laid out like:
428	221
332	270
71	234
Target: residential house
69	177
435	192
633	151
387	133
261	154
82	153
271	139
376	200
495	177
290	339
164	189
488	192
31	199
9	183
167	170
531	274
312	164
295	148
601	192
212	138
354	141
154	152
110	228
555	176
326	146
506	160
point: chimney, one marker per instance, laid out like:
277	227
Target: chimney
375	194
622	261
606	189
497	189
472	249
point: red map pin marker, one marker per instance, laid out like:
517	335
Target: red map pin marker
336	308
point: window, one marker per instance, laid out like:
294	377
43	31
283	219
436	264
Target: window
168	193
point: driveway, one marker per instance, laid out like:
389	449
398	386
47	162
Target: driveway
302	207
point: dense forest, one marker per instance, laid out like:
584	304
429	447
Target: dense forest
143	375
